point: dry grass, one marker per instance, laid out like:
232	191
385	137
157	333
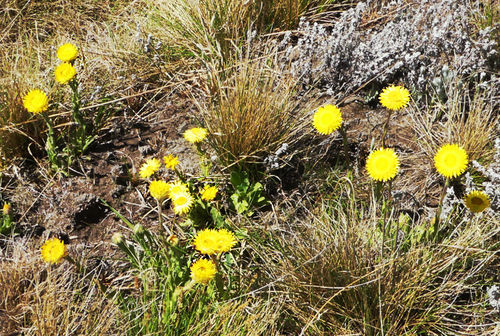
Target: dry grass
464	119
251	112
38	299
113	61
338	282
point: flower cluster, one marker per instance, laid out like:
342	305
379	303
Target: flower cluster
65	72
210	241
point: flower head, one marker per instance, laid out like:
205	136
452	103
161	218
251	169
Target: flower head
64	72
202	271
196	134
149	167
6	209
171	161
177	188
159	190
36	101
477	201
327	119
208	193
182	201
67	52
206	241
53	250
382	164
210	241
451	160
394	97
225	241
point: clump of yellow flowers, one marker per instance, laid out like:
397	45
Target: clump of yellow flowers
210	241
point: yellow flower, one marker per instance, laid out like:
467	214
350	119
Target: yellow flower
225	241
202	271
208	193
64	73
451	160
159	190
182	201
177	188
6	209
206	241
211	241
36	101
67	52
53	250
170	161
149	167
382	164
477	201
327	119
394	97
195	135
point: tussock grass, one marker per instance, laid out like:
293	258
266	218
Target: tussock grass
210	30
342	277
251	113
43	300
466	119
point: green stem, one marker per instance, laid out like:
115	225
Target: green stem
386	125
440	208
160	219
218	278
343	131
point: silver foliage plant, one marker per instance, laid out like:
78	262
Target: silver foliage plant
411	42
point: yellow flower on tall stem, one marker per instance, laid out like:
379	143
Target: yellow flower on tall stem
477	201
67	52
382	164
196	134
203	270
451	160
394	97
327	119
53	250
64	73
36	101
